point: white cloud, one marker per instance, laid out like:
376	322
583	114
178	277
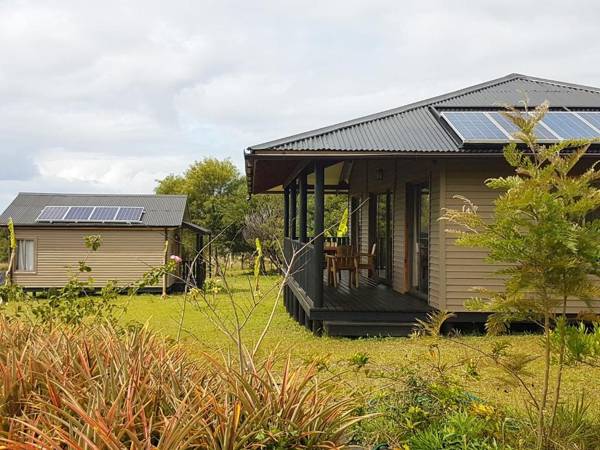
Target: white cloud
108	96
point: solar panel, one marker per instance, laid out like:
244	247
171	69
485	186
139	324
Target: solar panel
493	127
129	214
52	213
104	214
568	126
474	126
591	117
78	213
540	131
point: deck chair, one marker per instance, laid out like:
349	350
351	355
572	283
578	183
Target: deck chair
344	259
366	261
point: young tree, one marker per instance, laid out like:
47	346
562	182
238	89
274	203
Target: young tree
543	233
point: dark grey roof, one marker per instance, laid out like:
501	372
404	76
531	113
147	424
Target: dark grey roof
414	127
159	210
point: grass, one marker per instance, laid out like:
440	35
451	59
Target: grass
478	375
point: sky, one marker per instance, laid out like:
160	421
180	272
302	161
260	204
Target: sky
108	97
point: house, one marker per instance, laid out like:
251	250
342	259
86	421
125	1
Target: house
400	168
138	232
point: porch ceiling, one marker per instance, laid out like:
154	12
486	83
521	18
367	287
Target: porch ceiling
269	175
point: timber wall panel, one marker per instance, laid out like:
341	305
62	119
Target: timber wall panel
125	255
466	268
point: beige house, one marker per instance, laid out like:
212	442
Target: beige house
400	168
138	232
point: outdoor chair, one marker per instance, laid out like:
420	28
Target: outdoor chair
366	261
344	259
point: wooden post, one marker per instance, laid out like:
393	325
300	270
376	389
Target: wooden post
293	215
319	229
303	206
166	261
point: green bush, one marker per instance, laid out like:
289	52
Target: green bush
431	412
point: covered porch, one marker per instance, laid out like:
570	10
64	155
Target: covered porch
371	308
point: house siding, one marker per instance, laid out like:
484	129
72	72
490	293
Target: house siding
436	282
125	255
465	267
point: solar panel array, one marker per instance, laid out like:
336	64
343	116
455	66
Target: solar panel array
493	127
98	214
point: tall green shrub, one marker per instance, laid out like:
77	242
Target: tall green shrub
542	231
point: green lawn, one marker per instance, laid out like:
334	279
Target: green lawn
199	334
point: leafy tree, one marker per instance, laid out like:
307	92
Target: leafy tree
216	199
542	231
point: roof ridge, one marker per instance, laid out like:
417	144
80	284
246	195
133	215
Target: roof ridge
414	105
386	113
67	194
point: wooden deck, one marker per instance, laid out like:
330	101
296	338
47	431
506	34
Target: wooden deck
372	309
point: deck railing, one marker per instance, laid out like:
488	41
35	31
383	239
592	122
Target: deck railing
304	267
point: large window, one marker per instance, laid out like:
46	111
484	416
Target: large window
25	255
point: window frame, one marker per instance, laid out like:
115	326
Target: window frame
35	258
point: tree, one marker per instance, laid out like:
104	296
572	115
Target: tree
264	221
543	232
216	199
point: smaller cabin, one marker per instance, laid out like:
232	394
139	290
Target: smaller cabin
138	232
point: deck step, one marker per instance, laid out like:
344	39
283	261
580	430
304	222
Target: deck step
363	329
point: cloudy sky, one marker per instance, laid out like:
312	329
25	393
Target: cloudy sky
110	96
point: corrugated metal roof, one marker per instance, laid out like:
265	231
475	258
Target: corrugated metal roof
159	210
414	128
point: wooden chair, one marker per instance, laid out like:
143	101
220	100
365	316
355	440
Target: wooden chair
344	259
366	261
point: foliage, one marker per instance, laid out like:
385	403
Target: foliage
432	325
543	231
582	344
429	412
216	199
258	262
4	246
100	387
264	221
343	226
576	427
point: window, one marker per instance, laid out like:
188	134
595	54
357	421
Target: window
25	255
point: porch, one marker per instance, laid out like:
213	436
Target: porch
372	308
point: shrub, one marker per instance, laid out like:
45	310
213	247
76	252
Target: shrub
431	412
79	388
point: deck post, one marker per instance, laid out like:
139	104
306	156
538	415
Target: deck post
293	215
303	206
319	227
286	212
301	316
